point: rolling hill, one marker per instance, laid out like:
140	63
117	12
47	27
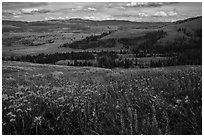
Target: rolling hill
20	38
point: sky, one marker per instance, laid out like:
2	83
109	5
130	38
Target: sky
132	11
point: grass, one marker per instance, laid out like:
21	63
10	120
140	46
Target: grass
47	99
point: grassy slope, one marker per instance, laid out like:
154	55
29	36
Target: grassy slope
57	30
73	100
170	28
190	26
61	32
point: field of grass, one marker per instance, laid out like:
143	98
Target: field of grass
48	99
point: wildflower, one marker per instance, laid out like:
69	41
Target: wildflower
9	114
154	97
29	109
56	89
94	114
57	74
38	120
187	100
25	100
82	110
61	99
178	101
11	106
10	78
19	110
60	105
38	75
13	115
11	97
4	97
19	105
12	120
19	93
20	87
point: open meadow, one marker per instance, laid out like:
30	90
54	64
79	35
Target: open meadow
52	99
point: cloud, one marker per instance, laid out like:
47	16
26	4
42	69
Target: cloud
160	14
16	16
10	12
142	14
165	14
61	18
49	18
172	13
147	4
73	17
18	5
142	11
135	4
77	8
28	11
90	18
91	9
34	11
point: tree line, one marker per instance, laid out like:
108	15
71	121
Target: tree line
52	58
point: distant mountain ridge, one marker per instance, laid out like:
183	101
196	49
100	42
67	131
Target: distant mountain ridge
188	19
80	19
